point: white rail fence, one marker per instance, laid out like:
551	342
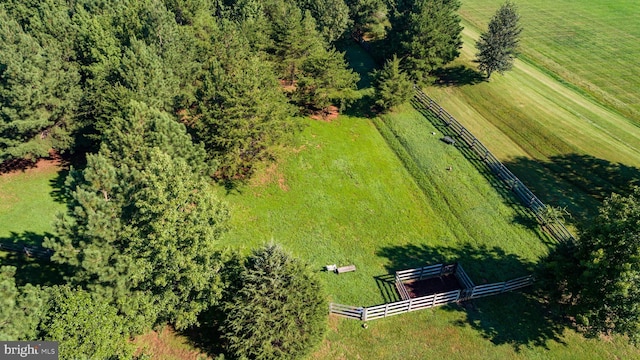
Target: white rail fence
407	304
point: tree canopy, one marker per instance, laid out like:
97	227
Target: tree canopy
426	35
279	310
498	47
600	275
142	225
393	86
85	328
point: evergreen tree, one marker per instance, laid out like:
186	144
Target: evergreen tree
393	86
600	276
39	93
142	226
279	311
426	35
241	111
498	47
21	309
332	17
368	17
85	328
295	38
326	80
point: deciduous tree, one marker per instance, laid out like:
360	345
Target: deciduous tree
600	275
86	328
498	47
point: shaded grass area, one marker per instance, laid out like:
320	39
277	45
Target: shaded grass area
29	201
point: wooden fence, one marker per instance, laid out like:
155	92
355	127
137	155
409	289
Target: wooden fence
526	196
408	304
28	250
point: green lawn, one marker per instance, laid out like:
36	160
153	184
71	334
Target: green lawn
592	44
568	148
29	201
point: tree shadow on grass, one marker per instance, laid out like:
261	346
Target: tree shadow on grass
520	319
576	181
458	76
363	64
524	216
32	261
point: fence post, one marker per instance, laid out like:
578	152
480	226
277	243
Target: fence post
364	314
386	308
421	272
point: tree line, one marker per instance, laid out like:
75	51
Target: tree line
164	95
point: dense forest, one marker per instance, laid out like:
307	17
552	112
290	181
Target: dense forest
161	99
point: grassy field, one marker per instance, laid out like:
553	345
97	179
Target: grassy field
568	148
29	201
592	44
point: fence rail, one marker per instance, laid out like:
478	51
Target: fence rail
28	250
555	228
429	301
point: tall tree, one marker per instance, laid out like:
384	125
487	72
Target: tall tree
369	17
39	93
142	225
498	47
279	311
426	35
600	276
393	86
326	80
332	16
86	328
241	110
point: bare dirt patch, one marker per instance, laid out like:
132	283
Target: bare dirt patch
430	286
11	168
270	175
328	115
167	344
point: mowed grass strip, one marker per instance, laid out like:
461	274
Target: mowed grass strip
591	44
342	196
569	149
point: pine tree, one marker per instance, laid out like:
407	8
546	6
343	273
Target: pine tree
241	110
393	86
326	80
279	311
498	47
426	35
142	225
332	17
39	93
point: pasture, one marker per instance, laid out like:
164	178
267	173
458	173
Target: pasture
591	44
568	148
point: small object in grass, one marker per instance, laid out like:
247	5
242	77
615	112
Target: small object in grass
344	269
331	267
364	325
448	140
450	168
433	133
